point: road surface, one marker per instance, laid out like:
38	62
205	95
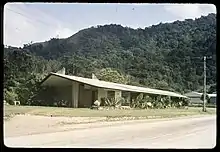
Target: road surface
182	133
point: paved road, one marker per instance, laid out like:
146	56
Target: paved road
184	133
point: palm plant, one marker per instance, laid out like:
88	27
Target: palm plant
147	102
112	102
158	102
167	102
142	101
138	101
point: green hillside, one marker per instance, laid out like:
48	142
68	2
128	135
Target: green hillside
163	56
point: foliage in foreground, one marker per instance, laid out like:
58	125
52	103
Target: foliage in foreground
144	102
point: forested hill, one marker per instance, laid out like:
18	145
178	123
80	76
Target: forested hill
162	56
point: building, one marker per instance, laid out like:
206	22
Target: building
82	92
212	98
195	97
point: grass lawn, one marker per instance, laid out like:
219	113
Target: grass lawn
84	112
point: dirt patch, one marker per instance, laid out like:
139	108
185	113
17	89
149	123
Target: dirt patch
31	124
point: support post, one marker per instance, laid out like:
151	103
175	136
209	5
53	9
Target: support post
117	94
75	94
129	97
204	94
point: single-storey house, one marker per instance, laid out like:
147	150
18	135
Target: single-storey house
82	92
195	97
212	98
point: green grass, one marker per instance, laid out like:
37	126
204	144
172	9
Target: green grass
84	112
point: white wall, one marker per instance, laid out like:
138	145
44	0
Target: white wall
101	94
85	97
195	100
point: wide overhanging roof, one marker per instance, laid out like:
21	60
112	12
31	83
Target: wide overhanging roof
198	95
107	85
212	95
193	94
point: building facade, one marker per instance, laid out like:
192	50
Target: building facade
82	92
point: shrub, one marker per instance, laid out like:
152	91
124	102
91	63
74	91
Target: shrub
185	102
112	102
10	96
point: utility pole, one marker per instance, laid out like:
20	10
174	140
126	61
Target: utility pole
204	93
204	85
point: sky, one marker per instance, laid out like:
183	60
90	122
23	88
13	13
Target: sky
38	22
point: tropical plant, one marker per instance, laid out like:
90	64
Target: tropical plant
185	102
148	101
10	96
167	102
142	101
112	102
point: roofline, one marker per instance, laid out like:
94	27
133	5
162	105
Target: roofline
212	95
46	78
54	74
194	92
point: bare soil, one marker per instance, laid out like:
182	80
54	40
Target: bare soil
21	125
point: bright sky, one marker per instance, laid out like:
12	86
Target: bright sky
38	22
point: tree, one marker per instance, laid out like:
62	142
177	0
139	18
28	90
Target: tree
161	56
212	89
111	75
